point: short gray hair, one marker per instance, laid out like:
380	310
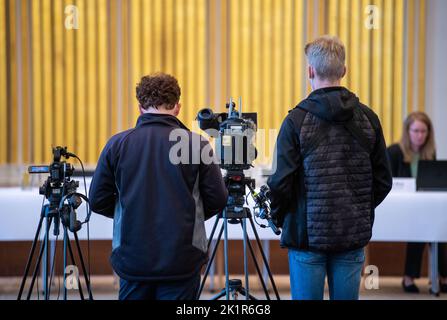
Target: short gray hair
326	55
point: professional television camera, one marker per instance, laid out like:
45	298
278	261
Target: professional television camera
234	133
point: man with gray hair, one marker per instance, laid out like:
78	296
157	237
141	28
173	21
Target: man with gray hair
331	173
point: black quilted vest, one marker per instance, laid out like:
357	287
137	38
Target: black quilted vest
335	196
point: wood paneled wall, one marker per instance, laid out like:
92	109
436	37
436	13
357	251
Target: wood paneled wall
76	87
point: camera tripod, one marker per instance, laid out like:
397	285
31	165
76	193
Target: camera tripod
52	215
235	213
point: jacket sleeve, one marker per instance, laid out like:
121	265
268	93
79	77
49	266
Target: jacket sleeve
103	192
285	164
382	178
212	187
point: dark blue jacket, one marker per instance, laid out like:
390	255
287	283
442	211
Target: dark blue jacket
332	172
158	207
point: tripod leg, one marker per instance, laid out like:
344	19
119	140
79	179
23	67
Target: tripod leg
46	256
227	275
212	232
212	272
84	270
53	248
65	261
245	237
219	295
30	258
36	270
81	294
258	270
208	266
264	258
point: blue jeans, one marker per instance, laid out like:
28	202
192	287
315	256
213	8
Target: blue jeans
308	271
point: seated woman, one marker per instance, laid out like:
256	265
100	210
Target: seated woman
417	143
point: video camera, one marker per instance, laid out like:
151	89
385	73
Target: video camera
234	132
59	186
58	183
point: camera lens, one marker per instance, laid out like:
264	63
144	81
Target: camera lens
205	114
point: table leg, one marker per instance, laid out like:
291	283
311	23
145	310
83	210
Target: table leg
266	247
434	268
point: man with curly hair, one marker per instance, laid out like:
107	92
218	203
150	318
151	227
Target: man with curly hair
158	207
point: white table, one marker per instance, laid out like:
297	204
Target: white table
414	217
20	213
402	217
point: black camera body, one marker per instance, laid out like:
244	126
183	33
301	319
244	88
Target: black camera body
234	132
59	182
58	187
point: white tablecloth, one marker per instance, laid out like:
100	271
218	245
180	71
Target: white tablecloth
403	216
412	216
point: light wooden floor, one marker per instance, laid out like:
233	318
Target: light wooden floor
106	288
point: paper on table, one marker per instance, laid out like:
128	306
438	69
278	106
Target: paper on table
404	185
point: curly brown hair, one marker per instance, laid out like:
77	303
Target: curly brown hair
157	90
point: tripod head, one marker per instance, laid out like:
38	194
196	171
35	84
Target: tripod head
236	183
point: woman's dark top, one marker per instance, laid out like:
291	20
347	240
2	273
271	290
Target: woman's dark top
399	168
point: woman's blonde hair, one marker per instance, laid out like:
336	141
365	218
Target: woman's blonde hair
428	149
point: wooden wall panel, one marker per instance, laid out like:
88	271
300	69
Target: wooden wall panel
76	87
3	85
